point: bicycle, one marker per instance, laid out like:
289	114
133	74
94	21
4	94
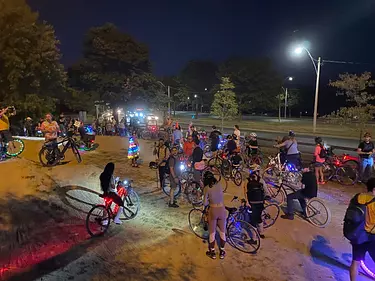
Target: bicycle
14	148
102	221
52	154
368	264
226	167
345	174
276	171
312	205
240	234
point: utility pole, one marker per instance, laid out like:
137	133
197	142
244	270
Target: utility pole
316	94
286	102
169	100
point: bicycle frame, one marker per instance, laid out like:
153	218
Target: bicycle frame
122	191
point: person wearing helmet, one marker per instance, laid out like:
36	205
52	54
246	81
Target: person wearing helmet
319	159
365	150
214	199
292	155
252	145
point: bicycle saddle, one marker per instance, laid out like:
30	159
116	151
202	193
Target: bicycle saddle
231	210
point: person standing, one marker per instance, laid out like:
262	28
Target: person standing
365	150
359	227
61	123
173	176
177	136
319	159
49	128
133	150
215	139
161	154
189	146
237	132
29	127
5	134
290	146
214	199
195	135
121	127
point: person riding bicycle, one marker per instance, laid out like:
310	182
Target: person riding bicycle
237	133
252	145
198	163
177	136
232	150
214	199
309	190
255	196
108	186
290	146
189	146
365	230
5	134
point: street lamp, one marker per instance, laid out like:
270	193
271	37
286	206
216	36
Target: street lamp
317	64
169	96
289	78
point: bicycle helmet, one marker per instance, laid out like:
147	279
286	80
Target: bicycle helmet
153	165
253	135
291	134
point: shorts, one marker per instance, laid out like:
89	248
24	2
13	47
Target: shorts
359	250
172	182
318	164
6	136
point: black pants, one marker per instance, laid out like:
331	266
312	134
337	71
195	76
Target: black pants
161	174
256	213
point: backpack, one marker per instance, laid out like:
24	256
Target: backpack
167	169
255	191
323	152
354	221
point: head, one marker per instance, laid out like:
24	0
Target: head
62	115
134	133
213	127
109	169
49	117
367	137
161	142
174	151
190	139
291	134
318	140
236	127
253	136
229	137
371	185
209	179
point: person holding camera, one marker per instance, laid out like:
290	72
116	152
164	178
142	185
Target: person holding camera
5	134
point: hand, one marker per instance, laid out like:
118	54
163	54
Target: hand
157	160
176	180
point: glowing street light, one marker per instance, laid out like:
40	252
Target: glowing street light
317	64
290	78
195	96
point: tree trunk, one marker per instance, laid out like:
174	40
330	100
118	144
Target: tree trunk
222	124
174	108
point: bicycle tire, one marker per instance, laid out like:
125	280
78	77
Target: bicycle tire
368	264
76	153
146	135
241	234
347	172
198	223
237	178
312	212
269	217
215	162
167	187
104	227
328	171
18	151
277	194
194	194
131	200
271	174
48	163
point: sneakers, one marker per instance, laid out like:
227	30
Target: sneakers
173	205
211	254
322	182
287	217
222	254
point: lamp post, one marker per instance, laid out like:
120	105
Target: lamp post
317	65
169	96
289	78
196	106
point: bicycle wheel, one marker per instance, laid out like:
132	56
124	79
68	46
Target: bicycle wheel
48	156
194	194
270	214
132	205
237	178
198	223
146	135
98	220
15	147
271	175
317	213
167	187
276	193
215	162
243	236
187	176
368	264
346	175
328	171
76	153
207	151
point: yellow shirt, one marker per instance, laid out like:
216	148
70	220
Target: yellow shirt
364	198
4	123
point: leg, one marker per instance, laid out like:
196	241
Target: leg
358	253
221	222
317	174
289	199
363	169
161	175
321	174
171	194
212	224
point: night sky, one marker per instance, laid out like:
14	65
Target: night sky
178	31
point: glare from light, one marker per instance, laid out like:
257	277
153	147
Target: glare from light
195	96
205	89
188	98
119	111
141	114
136	114
149	118
290	78
298	50
156	117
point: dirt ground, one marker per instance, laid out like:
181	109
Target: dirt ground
43	236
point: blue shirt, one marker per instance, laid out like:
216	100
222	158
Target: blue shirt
177	135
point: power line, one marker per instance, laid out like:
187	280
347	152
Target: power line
344	62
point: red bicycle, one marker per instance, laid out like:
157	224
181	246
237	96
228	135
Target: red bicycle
99	217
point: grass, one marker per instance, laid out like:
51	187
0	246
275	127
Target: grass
300	126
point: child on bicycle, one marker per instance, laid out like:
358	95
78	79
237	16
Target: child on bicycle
108	185
133	150
254	195
252	145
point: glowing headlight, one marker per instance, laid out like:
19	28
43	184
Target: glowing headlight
136	114
149	118
125	182
156	117
182	167
141	114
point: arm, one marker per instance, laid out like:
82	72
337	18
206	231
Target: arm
2	112
360	152
280	145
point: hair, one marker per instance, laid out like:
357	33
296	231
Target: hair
161	139
209	181
370	185
105	177
367	134
236	126
214	127
318	140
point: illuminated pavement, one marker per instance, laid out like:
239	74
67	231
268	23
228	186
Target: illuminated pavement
42	233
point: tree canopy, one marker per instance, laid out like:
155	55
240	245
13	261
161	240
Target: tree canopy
30	71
